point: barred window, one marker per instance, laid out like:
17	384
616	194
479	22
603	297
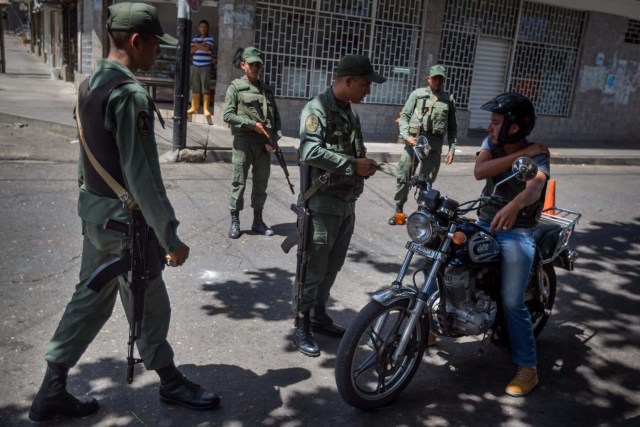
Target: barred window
303	41
545	44
633	32
546	55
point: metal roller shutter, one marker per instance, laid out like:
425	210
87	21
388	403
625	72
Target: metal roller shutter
489	77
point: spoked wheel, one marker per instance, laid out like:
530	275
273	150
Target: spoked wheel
540	306
366	374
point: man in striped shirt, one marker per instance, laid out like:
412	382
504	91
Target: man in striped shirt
201	48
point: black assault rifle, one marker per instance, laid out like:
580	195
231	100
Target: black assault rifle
302	236
273	143
283	164
144	259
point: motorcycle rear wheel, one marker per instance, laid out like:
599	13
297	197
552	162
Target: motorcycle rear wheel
366	375
540	307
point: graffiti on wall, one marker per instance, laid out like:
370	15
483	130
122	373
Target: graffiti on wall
618	81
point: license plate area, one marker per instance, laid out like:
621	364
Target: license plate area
425	252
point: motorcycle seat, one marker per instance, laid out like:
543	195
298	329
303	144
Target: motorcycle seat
546	236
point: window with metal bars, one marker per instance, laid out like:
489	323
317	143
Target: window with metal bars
545	42
303	40
632	35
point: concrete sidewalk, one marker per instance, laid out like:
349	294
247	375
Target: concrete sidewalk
29	94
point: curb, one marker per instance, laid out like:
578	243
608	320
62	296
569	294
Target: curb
224	154
65	130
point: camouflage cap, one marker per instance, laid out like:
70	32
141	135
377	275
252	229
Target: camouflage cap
137	18
437	70
358	65
251	55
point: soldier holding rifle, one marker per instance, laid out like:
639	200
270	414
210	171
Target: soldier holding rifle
119	163
251	112
333	169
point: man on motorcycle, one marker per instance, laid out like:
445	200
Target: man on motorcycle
513	221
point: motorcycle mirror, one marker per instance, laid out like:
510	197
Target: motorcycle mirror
524	168
422	147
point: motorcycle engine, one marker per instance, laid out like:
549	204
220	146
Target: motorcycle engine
473	310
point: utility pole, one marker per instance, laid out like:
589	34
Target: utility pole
3	62
181	86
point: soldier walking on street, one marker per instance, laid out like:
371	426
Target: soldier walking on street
117	113
333	167
251	112
429	111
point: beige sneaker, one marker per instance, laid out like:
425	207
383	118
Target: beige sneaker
431	339
524	381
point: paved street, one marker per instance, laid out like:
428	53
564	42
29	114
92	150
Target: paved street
231	319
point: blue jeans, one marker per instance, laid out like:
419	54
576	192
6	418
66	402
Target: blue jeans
517	247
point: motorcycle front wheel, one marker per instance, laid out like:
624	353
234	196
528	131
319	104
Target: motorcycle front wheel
367	377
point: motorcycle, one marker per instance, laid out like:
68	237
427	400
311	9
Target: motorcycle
458	296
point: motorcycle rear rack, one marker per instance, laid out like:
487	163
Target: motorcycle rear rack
565	218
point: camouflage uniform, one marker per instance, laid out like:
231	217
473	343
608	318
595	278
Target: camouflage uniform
329	141
434	116
129	115
242	106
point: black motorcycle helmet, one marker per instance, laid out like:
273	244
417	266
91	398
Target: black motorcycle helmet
516	109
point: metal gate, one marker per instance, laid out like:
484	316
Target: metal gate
545	41
303	40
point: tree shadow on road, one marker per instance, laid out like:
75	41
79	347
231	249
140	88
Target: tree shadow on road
266	294
246	396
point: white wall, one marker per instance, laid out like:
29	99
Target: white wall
626	8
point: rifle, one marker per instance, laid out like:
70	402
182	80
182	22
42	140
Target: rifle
144	259
302	236
281	161
272	142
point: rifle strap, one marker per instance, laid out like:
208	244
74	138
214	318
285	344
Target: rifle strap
127	199
319	182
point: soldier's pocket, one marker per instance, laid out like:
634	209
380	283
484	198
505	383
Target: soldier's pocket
439	118
320	237
104	240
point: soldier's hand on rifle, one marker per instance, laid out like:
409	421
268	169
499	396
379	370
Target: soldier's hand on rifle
179	256
366	167
411	141
262	130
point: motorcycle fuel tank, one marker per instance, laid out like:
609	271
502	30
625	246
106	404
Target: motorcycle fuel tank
480	247
483	248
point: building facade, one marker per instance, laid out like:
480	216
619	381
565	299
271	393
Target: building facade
578	61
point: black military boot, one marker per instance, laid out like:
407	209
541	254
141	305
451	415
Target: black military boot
175	389
323	324
234	231
258	224
302	337
53	399
392	220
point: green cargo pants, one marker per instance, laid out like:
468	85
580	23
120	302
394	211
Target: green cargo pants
407	167
248	152
88	311
327	251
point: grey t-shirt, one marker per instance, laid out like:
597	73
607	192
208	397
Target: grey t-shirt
529	216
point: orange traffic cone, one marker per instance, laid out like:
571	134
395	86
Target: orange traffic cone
550	198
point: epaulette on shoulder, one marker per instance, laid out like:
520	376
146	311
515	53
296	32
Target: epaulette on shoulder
422	92
241	84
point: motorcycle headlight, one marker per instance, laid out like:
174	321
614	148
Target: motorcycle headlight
421	226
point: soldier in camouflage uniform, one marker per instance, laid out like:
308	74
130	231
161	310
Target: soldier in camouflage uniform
331	142
429	111
251	112
117	115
